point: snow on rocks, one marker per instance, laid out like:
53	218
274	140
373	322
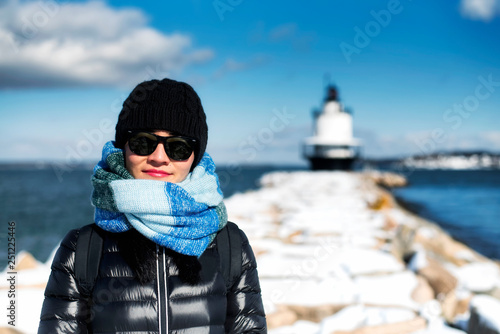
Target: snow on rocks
485	315
299	327
439	329
361	319
394	289
337	254
468	275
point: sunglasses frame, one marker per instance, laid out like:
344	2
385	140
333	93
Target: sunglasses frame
192	143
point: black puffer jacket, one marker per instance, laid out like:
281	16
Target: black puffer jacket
165	304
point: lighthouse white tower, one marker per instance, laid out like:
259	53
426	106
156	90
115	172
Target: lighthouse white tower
333	145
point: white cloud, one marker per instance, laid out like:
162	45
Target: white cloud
232	65
263	146
285	33
47	43
483	10
492	139
425	142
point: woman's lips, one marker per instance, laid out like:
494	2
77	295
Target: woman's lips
156	173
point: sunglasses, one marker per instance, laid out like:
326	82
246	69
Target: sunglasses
176	147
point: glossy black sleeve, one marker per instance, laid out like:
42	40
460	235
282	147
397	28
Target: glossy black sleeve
64	310
245	311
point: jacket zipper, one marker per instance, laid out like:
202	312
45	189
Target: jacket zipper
162	290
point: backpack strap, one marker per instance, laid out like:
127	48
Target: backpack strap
229	247
87	258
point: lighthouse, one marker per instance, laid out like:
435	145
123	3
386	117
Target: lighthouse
333	146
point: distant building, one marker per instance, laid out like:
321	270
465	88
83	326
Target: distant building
333	145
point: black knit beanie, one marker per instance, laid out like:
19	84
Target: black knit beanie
167	105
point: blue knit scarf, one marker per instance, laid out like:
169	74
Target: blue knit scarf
184	217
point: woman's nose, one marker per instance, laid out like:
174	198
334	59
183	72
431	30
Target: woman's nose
159	155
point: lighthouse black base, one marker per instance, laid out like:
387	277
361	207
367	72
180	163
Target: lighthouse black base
332	147
331	164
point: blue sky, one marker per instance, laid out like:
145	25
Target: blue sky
418	75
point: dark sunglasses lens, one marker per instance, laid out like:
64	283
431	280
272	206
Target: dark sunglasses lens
143	144
178	149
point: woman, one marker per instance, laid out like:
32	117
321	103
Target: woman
158	209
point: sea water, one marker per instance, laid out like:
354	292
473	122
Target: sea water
45	205
466	203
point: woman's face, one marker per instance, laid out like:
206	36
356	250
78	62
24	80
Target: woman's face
157	166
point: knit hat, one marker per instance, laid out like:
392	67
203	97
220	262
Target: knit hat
167	105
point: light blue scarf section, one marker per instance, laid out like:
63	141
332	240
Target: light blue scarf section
184	217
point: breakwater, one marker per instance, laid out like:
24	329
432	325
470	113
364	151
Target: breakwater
337	254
